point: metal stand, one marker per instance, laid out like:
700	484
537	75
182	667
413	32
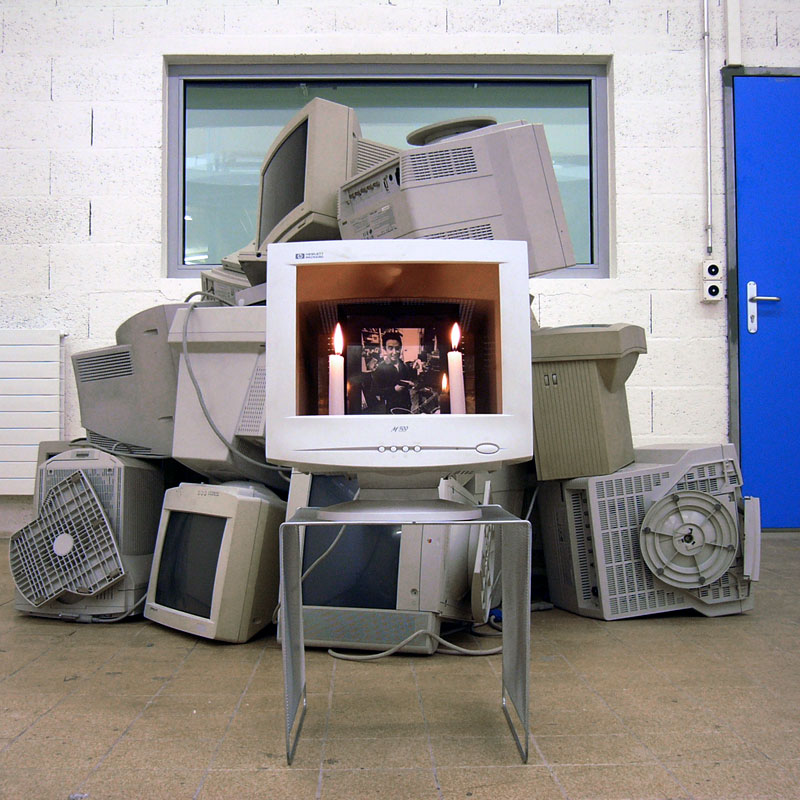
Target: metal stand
516	569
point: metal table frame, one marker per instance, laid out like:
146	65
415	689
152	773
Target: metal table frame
515	536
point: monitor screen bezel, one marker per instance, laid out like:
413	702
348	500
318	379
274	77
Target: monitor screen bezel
447	442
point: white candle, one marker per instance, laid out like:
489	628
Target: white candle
336	374
455	374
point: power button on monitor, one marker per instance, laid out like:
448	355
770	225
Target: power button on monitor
487	448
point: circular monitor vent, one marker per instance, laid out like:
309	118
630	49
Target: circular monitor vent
689	539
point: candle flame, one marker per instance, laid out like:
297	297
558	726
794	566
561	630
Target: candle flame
444	381
338	340
455	336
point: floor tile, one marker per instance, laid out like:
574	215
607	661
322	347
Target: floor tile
110	783
258	784
478	751
736	780
618	782
379	784
386	752
492	783
599	748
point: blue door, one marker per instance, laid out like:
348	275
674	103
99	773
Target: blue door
766	116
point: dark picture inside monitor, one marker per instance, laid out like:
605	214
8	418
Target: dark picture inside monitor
397	354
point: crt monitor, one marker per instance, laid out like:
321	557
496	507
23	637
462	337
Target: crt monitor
127	392
374	586
450	320
496	182
215	567
130	490
219	411
318	149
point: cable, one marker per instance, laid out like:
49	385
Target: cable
318	561
210	296
474	630
126	614
527	516
217	432
450	649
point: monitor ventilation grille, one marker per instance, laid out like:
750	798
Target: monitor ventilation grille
710	478
438	164
620	505
119	448
370	154
577	501
474	232
251	421
69	547
103	366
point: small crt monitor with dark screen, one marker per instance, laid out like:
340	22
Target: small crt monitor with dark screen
215	568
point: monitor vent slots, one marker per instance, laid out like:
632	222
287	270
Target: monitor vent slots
251	421
710	478
437	164
582	535
484	231
103	366
117	448
370	154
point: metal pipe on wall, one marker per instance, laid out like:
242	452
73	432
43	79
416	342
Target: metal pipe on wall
709	183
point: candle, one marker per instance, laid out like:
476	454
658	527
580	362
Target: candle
444	396
455	372
336	374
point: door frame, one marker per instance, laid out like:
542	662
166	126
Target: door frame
732	261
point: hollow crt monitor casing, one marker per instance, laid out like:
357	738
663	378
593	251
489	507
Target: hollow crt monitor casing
481	285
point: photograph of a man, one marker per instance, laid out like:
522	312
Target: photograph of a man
393	379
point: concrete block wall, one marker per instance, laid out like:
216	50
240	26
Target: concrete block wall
81	155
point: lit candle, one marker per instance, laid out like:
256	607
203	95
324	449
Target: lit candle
455	372
444	397
336	374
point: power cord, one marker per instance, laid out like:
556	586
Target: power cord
449	649
198	391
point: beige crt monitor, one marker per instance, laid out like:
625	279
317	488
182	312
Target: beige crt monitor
317	150
215	568
493	183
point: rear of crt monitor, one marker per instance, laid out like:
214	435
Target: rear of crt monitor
215	568
580	407
130	491
497	182
481	285
226	349
592	527
127	392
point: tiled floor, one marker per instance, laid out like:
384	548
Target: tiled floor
674	707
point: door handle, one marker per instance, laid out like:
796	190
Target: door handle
753	299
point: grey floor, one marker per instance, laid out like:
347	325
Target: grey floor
679	706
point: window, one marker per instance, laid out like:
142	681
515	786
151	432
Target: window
222	119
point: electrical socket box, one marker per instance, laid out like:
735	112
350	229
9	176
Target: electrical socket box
713	288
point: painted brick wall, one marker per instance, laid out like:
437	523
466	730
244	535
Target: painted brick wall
81	135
